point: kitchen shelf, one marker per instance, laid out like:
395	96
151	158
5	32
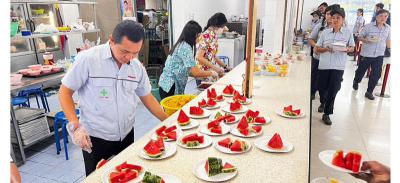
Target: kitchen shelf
55	34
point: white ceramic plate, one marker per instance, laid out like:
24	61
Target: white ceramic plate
169	178
200	172
235	132
281	113
267	119
178	134
248	101
170	150
326	158
262	143
205	114
324	180
228	151
214	107
225	130
212	118
192	124
207	142
105	176
242	110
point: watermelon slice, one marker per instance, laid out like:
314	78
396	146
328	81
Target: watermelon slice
225	143
252	114
244	132
123	166
114	177
129	176
211	102
356	162
229	118
202	103
243	123
211	93
219	98
228	90
192	140
101	163
288	108
190	137
152	150
260	120
213	166
239	98
338	159
161	130
197	111
172	135
160	144
170	129
348	160
256	129
200	139
235	106
228	168
238	146
296	112
275	142
213	124
183	119
216	129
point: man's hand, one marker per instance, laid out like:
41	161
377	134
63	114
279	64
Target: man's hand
79	136
153	106
379	172
214	74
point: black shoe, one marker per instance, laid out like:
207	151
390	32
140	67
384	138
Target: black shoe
355	86
369	95
321	108
312	96
326	119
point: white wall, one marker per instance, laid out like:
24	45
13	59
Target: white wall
70	13
309	7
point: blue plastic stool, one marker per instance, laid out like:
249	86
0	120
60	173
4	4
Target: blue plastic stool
225	59
61	119
37	92
20	101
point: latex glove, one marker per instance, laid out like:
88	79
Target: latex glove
379	172
79	136
214	74
219	71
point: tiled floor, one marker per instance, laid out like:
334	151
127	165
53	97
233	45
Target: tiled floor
358	124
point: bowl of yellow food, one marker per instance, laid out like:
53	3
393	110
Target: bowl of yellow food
174	103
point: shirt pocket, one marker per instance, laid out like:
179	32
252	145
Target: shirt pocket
104	92
129	86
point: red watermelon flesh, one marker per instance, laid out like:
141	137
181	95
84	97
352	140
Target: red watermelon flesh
252	114
206	167
161	130
152	149
202	103
260	120
245	132
172	135
275	142
170	129
237	146
125	165
338	159
228	90
196	111
348	160
225	143
256	129
160	144
229	118
217	130
235	106
200	139
228	168
101	163
219	98
243	123
116	176
192	137
211	102
356	162
208	93
213	93
183	118
288	109
129	176
297	112
213	124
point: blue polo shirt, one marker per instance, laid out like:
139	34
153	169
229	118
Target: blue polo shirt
107	94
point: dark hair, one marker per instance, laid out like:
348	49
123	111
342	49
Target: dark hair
132	30
125	2
339	11
380	5
188	35
323	4
361	11
317	13
329	8
382	11
217	20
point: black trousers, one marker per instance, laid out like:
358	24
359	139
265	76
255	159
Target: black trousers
329	83
165	94
314	75
376	71
104	149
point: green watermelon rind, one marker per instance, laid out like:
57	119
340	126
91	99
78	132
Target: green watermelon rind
215	166
151	178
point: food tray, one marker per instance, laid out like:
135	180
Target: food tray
41	75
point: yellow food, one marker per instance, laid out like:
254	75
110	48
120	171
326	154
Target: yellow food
176	102
333	181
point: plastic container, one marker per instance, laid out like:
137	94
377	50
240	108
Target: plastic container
25	33
14	28
174	103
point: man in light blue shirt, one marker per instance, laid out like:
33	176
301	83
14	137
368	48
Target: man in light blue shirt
109	80
333	45
375	37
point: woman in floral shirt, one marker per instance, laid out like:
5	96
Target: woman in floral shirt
207	45
180	63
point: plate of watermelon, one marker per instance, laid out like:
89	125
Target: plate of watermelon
349	162
232	146
325	180
235	108
194	141
159	178
273	144
215	128
168	133
253	117
228	91
214	170
184	122
239	98
226	118
243	129
124	172
157	150
289	112
209	104
198	113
